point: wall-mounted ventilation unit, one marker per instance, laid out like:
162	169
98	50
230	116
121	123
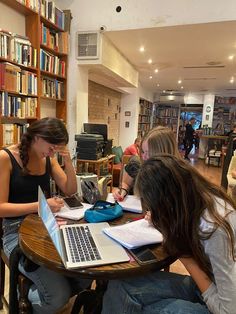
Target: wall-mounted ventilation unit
88	45
171	99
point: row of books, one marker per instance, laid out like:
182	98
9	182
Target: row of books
12	133
52	13
167	112
12	106
57	41
52	88
144	119
14	79
51	63
32	4
17	48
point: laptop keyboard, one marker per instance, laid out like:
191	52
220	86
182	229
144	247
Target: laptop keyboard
81	244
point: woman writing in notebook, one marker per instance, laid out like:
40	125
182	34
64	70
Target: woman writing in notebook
158	140
198	223
23	168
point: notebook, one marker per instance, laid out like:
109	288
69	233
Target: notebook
130	203
75	214
80	245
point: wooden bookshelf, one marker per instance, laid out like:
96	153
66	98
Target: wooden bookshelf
49	73
167	115
145	117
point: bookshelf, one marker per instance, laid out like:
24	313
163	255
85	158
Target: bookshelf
145	117
167	115
33	67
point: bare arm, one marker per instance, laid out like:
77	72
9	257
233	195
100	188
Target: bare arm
200	277
66	180
126	184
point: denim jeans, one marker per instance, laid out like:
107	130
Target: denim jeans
159	292
50	290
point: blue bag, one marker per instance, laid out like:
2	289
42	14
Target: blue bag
103	211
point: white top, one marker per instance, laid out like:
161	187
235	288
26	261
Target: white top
220	297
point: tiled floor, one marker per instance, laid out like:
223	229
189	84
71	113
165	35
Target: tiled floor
210	172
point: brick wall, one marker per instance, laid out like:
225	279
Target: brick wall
103	107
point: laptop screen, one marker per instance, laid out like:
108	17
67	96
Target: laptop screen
49	221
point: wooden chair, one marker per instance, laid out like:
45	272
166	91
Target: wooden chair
14	305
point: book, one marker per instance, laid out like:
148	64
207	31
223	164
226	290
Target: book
131	203
134	234
74	214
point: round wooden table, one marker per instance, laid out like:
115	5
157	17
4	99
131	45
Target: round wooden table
38	247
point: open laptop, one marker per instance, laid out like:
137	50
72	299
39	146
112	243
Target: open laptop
80	245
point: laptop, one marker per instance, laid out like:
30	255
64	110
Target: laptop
80	245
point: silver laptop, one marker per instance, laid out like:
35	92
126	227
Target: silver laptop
80	245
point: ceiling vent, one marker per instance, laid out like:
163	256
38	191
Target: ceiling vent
171	99
88	45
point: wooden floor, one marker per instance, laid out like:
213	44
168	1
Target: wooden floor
212	173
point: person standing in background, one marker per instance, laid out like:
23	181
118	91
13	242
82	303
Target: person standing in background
134	148
189	138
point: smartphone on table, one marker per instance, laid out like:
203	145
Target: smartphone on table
73	202
143	255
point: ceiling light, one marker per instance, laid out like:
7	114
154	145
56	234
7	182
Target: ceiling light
231	57
149	61
231	80
150	77
156	70
164	91
158	85
179	81
182	87
141	49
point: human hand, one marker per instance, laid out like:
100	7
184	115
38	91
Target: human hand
63	152
148	217
55	203
119	194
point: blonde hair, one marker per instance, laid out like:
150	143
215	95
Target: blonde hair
161	140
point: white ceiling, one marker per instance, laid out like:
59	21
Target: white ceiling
184	53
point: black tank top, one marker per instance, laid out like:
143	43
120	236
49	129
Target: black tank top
24	189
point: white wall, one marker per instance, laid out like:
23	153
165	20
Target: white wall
92	14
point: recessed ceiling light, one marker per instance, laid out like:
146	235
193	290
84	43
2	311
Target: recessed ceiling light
158	85
231	80
179	81
141	49
231	57
150	77
149	61
164	91
181	87
156	70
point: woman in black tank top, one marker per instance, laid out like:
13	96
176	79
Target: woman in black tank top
23	168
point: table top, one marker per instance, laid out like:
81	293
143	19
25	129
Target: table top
38	247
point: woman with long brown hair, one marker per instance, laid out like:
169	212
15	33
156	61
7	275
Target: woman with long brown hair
198	223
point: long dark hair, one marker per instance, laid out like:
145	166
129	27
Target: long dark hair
177	196
51	130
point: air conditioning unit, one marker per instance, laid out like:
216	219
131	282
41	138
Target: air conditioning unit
172	99
88	45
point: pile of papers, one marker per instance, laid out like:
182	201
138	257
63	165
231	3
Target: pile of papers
75	214
134	234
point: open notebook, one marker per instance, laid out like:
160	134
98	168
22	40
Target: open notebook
130	203
80	245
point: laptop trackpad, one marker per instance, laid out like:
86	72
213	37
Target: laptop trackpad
103	240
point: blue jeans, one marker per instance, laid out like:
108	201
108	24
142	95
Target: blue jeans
159	292
50	290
